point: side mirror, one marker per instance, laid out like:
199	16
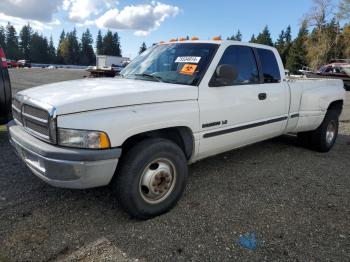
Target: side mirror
225	75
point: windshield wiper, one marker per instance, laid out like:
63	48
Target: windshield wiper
158	78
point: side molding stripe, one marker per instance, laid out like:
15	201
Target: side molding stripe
240	128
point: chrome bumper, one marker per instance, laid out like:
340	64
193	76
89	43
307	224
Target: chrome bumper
64	167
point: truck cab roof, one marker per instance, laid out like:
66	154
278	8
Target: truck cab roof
219	42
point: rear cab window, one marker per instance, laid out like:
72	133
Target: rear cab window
269	66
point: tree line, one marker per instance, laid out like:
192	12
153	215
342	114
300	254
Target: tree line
320	39
31	45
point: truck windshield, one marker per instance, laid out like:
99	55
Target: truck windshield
177	63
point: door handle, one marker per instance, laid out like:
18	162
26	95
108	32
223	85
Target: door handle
262	96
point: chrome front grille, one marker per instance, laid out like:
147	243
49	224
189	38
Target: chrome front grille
16	104
39	129
35	118
17	116
16	111
31	111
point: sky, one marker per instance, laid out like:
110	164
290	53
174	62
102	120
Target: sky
138	21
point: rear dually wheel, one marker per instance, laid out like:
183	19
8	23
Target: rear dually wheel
323	138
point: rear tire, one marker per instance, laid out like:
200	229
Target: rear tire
323	138
150	178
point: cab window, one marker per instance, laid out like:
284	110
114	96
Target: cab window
244	69
269	66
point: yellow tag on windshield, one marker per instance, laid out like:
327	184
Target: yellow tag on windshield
188	69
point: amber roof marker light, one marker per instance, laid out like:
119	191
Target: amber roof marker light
194	38
217	38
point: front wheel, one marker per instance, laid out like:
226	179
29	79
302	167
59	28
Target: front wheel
151	178
323	138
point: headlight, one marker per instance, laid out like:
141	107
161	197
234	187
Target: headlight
83	139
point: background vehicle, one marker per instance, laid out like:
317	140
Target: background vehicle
336	70
24	63
108	66
5	90
11	63
175	104
106	61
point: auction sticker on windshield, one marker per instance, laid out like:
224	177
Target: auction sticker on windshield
188	69
188	59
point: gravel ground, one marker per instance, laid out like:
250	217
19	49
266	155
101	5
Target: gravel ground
24	78
296	201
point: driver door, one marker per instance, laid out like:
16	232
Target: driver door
237	112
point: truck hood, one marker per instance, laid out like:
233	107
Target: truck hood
92	94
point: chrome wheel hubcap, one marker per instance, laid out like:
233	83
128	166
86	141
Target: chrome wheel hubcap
157	181
330	134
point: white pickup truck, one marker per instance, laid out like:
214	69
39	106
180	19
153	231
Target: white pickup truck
175	104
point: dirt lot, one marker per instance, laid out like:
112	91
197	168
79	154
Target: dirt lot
296	201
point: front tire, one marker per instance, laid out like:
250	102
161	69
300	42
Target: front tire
151	178
323	138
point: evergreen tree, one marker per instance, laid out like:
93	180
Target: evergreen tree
39	49
116	45
288	44
12	50
59	56
52	52
236	37
264	37
73	47
62	37
2	37
25	37
252	39
298	55
69	48
64	52
87	52
284	43
107	43
111	44
288	35
280	43
143	48
99	44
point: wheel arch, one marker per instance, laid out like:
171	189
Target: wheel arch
180	135
337	106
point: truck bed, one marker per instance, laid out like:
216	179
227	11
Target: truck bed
346	82
311	106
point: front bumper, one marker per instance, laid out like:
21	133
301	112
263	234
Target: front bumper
64	167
